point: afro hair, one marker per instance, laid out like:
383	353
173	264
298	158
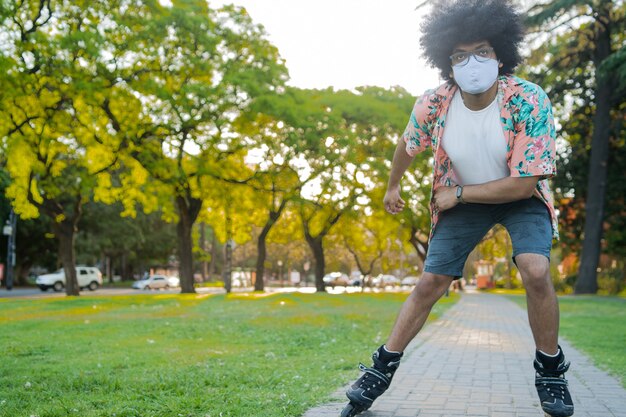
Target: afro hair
454	22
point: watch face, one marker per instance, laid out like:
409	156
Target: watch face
459	190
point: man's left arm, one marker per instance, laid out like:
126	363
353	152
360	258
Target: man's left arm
504	190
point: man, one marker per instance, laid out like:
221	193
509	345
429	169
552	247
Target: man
493	139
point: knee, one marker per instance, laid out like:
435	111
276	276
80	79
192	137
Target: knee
432	285
535	274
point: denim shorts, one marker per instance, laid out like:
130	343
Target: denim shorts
461	228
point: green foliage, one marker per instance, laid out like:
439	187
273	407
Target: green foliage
565	61
332	148
133	244
615	68
611	281
34	245
159	355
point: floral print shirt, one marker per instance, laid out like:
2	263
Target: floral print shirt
528	123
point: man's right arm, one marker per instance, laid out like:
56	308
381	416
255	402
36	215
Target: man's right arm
413	141
401	161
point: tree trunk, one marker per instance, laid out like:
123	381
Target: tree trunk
108	269
124	269
421	248
205	266
274	215
65	232
213	262
508	283
227	271
21	273
188	210
361	267
228	266
317	246
259	283
587	282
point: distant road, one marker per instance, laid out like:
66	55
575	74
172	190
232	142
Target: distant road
27	292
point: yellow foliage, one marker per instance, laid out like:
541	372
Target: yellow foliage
104	190
34	192
22	206
257	295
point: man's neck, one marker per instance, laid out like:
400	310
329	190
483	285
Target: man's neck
480	101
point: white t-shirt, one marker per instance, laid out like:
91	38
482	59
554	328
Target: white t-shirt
475	142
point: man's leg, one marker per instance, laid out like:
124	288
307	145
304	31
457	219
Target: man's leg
528	224
415	310
413	314
457	233
543	308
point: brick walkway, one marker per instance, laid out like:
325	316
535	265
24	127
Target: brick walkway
476	360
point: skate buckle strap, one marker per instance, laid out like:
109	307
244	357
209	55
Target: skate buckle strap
375	372
544	380
553	386
561	369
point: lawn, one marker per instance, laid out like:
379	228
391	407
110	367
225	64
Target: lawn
186	355
596	325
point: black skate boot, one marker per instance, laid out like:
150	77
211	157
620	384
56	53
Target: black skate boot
551	384
372	383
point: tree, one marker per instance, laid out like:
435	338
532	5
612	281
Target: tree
286	243
195	70
577	66
497	245
291	130
57	147
276	182
366	235
233	212
356	158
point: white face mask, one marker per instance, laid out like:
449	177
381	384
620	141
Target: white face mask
476	77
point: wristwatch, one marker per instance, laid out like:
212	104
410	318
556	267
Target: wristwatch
459	194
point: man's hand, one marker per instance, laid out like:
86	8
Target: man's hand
445	198
394	204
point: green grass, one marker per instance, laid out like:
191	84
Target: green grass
186	355
595	325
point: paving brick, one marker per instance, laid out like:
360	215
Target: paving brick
476	360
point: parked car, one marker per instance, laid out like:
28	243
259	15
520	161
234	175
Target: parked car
383	281
356	279
409	281
173	282
156	282
335	279
87	276
356	282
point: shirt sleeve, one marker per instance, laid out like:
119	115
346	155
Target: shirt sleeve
534	147
417	134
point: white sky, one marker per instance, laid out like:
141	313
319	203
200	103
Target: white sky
346	43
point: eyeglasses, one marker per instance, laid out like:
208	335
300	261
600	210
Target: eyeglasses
481	55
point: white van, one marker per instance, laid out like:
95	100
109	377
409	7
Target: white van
88	277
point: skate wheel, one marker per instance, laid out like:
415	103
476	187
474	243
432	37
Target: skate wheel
351	410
